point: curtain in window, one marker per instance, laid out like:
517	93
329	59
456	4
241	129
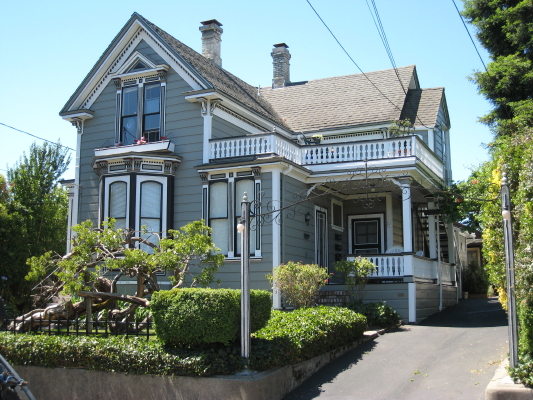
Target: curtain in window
118	200
150	210
241	186
218	215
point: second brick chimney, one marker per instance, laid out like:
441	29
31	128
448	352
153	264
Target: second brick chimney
211	38
280	60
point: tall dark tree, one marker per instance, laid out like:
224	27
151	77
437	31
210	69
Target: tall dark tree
505	29
33	217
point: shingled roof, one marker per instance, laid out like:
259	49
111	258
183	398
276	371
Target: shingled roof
219	78
422	106
342	101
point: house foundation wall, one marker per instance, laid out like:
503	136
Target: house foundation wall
427	299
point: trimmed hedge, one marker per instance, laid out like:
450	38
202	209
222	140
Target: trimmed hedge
193	316
288	338
118	354
377	314
291	337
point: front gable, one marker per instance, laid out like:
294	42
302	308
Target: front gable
122	55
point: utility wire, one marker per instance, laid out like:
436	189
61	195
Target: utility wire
359	68
467	31
40	138
350	57
384	40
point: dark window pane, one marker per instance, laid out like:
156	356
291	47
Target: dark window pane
129	101
152	94
151	122
129	130
337	215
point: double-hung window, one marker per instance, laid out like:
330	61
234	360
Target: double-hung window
139	202
223	206
140	104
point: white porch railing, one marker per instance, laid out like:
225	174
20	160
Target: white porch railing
377	149
400	265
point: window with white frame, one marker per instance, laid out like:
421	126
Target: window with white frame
148	208
337	222
140	101
224	212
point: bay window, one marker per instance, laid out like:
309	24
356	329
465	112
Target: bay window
224	212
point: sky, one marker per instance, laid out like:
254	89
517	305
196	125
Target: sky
48	47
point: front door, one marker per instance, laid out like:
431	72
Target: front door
366	236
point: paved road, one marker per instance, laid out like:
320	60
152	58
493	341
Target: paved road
450	355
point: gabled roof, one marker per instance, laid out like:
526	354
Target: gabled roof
343	101
422	106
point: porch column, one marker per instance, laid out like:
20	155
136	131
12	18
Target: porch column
207	113
405	185
411	292
276	234
432	233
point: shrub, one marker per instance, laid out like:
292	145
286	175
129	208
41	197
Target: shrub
299	283
118	354
377	314
356	274
475	279
291	337
198	316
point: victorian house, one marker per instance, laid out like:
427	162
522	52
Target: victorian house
167	136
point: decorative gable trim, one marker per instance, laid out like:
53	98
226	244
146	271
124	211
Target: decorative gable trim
113	64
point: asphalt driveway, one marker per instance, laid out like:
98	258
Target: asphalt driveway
450	355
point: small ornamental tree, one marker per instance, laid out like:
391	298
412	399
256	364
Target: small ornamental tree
189	253
299	283
356	274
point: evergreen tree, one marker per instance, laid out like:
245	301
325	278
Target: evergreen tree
33	217
505	29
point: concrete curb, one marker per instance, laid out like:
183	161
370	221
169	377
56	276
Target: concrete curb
79	384
502	387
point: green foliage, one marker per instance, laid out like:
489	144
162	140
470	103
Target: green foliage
378	314
189	252
475	279
505	30
33	217
197	316
298	282
118	354
356	274
401	127
291	337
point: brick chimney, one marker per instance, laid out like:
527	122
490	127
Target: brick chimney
211	33
280	60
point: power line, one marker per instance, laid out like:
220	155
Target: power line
359	68
350	57
40	138
385	41
467	31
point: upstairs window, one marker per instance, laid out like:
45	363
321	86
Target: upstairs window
130	103
151	112
140	102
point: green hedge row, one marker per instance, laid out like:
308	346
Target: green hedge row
193	316
377	314
289	337
117	354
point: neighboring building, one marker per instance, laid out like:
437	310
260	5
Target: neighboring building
167	136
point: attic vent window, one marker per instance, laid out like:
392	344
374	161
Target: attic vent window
139	66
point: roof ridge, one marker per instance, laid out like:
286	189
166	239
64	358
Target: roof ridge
220	78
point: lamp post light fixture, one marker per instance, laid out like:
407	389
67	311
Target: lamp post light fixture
509	267
243	227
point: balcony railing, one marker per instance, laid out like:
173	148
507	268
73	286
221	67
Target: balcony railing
378	149
393	266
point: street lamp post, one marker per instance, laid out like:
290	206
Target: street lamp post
509	266
243	227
